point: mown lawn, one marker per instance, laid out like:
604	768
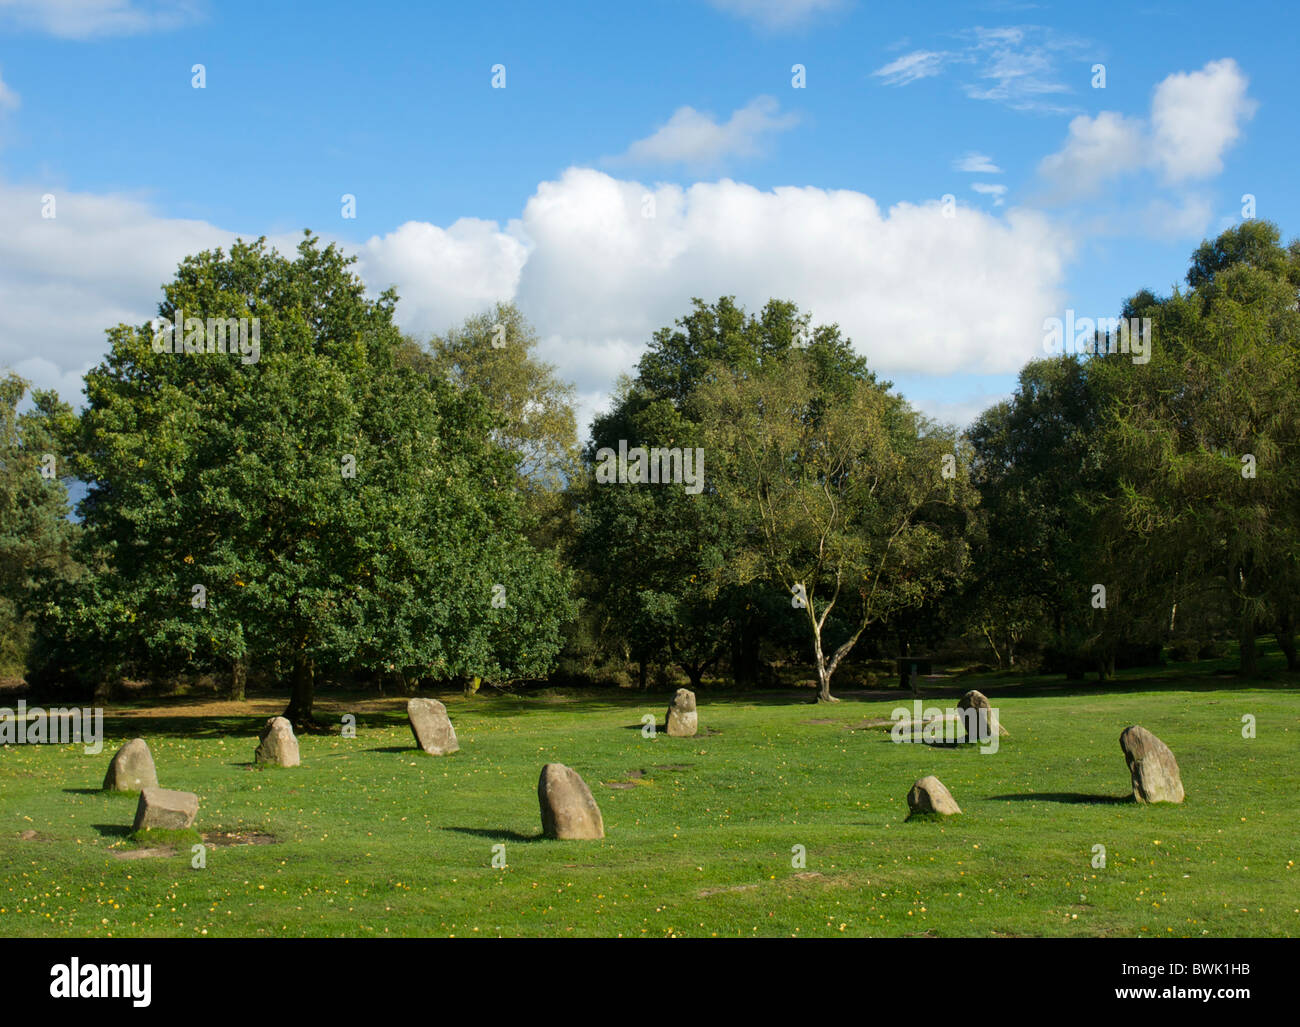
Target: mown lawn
372	837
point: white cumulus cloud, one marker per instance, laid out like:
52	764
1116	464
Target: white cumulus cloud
918	292
98	262
1195	119
444	275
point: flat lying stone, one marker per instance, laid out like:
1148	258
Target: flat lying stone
164	809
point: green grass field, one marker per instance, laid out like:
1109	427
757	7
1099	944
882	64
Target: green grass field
372	837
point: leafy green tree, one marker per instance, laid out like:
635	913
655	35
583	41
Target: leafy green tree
317	502
1209	432
494	352
844	495
36	538
652	553
648	549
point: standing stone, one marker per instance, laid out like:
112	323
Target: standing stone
277	745
161	808
975	707
683	721
568	809
132	769
432	727
1151	765
929	795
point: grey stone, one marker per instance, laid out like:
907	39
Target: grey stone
1151	766
132	769
975	707
929	795
432	727
683	720
277	745
161	808
568	808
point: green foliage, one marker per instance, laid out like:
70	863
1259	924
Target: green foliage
36	537
338	506
1208	433
840	493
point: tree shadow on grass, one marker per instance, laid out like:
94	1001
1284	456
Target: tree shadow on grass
500	835
1074	798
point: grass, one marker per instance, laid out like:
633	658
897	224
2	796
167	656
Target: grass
371	837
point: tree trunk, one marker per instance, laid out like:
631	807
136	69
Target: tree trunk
988	635
1246	642
744	655
823	673
299	711
238	678
642	676
1286	639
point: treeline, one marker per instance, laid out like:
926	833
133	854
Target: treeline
350	505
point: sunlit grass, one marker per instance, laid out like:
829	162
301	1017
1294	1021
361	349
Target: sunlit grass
373	837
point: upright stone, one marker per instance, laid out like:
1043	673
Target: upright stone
277	745
132	769
161	808
568	809
683	720
929	795
1151	765
977	718
432	727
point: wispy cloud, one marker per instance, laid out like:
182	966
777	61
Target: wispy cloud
8	98
976	164
85	19
912	66
698	139
777	14
1016	66
994	189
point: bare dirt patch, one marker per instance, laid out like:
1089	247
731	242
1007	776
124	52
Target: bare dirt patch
630	782
220	839
145	853
213	839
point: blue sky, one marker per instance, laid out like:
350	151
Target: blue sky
832	195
